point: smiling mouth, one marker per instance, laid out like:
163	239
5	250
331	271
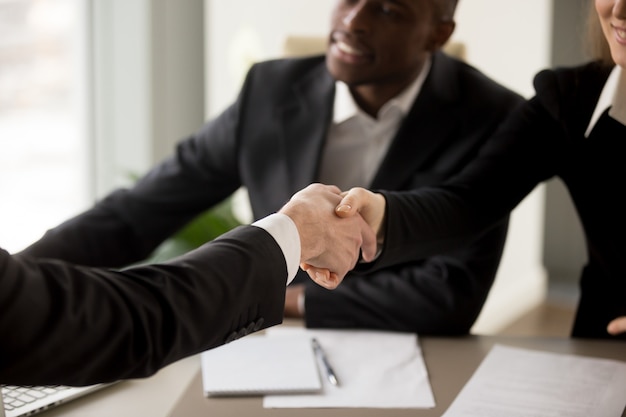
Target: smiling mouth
347	49
621	33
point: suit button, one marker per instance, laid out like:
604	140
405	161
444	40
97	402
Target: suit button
231	337
259	324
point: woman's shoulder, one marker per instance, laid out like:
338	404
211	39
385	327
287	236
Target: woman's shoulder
571	91
569	79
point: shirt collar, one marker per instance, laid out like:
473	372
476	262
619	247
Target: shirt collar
613	96
345	107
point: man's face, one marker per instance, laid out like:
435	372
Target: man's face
380	41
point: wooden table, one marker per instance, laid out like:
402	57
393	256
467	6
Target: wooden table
450	362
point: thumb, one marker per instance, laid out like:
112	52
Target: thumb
349	204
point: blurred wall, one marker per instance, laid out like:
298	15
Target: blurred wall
147	60
565	251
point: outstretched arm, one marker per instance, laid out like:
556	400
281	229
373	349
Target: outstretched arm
130	323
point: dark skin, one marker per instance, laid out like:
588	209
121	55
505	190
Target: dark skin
378	48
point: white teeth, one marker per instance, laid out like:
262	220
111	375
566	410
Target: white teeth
343	47
621	33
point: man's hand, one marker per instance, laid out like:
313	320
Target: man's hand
330	244
617	326
363	203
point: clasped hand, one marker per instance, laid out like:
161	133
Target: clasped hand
336	229
336	226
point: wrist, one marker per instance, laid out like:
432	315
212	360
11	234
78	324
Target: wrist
299	215
300	304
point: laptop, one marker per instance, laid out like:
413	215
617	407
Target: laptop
22	401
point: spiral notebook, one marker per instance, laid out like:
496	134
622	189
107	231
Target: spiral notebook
261	364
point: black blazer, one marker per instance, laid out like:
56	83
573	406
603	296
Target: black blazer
270	140
545	138
66	324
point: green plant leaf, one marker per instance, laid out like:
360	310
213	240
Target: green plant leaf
204	228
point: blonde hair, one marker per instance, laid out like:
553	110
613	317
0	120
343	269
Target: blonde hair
595	41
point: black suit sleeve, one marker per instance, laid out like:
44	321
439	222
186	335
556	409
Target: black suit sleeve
67	324
526	150
442	294
542	139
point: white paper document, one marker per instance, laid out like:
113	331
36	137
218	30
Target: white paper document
517	382
374	369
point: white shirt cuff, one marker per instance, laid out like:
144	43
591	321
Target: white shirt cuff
285	233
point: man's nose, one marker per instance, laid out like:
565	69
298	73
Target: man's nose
355	17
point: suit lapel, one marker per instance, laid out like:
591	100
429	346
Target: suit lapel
424	129
305	118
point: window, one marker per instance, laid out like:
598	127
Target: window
43	150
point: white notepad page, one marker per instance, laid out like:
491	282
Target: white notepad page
376	369
261	364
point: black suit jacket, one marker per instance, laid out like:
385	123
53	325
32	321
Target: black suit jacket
270	140
66	324
545	138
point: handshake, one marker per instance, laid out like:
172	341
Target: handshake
336	229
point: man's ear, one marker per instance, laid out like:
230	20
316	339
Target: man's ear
441	34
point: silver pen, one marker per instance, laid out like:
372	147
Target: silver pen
330	373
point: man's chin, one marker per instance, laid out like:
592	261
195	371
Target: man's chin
346	74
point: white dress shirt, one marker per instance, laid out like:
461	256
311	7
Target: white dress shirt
354	149
285	233
357	142
613	97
